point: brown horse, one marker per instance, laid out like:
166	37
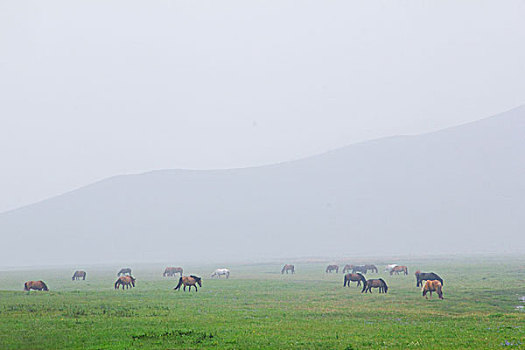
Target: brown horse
355	277
287	268
191	281
432	286
78	275
125	281
347	268
397	269
376	283
172	271
331	268
35	285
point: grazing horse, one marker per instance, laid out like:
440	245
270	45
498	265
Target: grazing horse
220	272
124	271
355	277
397	269
331	268
359	268
191	281
389	268
287	268
376	283
171	271
426	276
125	281
35	285
372	268
347	268
78	275
432	286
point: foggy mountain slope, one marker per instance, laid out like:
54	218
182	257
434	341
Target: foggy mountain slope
460	189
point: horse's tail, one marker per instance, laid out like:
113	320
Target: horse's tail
406	270
117	283
363	279
44	286
345	280
384	284
178	285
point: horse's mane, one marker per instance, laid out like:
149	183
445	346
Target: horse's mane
196	277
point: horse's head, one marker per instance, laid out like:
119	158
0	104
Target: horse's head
132	280
417	272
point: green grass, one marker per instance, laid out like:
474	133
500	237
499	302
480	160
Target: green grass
260	308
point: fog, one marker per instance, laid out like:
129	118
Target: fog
244	99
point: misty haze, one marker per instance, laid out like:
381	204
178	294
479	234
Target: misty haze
230	175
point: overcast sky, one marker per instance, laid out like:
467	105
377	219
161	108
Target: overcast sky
91	89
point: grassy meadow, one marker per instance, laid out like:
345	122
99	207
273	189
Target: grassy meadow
260	308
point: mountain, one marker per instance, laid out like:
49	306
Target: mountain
458	190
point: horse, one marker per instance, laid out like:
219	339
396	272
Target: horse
359	268
372	268
124	271
347	268
432	286
221	272
375	283
355	277
389	268
35	285
171	271
78	275
331	268
125	281
191	281
397	269
287	268
426	276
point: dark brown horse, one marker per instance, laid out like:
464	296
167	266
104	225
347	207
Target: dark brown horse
78	275
371	267
376	283
35	285
359	268
397	269
426	276
125	281
172	271
331	268
432	286
190	281
355	277
124	271
287	268
347	268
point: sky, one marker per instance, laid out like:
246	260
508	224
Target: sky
93	89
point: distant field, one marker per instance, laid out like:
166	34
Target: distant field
260	308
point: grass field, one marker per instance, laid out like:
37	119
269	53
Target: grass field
260	308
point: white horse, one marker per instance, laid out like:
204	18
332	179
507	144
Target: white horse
390	267
224	272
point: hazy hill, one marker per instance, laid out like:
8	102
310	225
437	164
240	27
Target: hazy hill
456	190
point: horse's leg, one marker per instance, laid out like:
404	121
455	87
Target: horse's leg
196	288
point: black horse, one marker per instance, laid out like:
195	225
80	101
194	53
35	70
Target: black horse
124	271
426	276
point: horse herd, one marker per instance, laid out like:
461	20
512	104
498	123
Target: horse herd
433	283
353	273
